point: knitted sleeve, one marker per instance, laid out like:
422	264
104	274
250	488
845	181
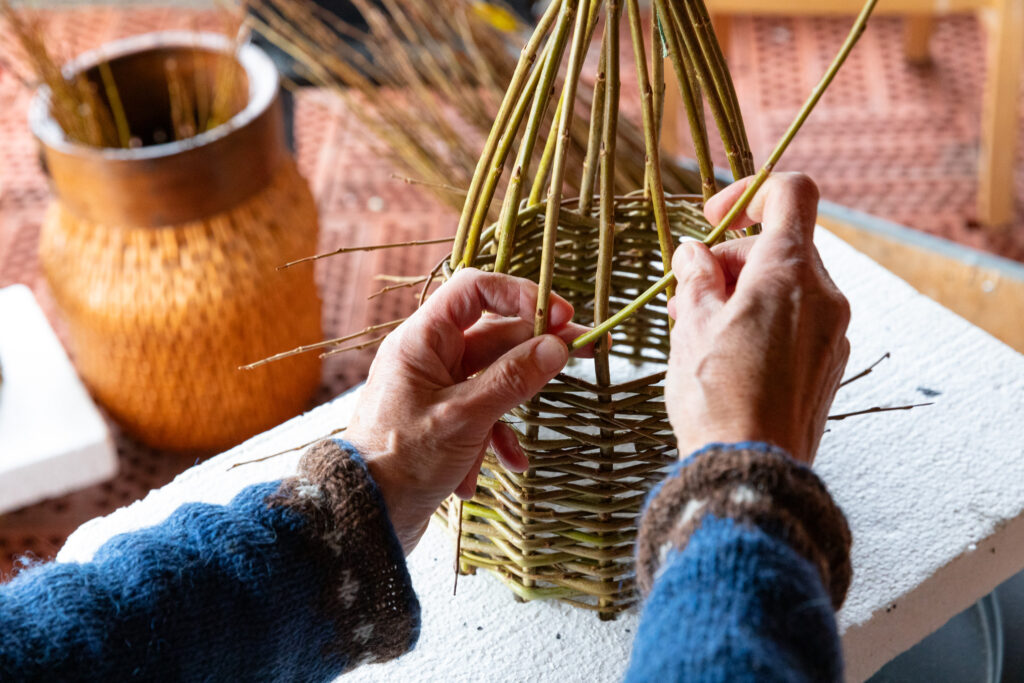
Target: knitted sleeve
296	580
743	557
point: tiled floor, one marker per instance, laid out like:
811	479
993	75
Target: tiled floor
889	138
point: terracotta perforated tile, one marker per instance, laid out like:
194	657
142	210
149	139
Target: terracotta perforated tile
890	138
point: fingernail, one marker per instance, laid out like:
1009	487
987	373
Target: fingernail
550	354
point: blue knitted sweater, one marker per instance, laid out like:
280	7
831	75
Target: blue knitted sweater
304	579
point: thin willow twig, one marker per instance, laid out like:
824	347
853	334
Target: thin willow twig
426	183
354	347
289	450
323	344
401	285
430	280
371	247
865	372
878	409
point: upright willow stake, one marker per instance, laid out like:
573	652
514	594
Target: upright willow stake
653	189
606	234
741	204
539	89
691	102
515	88
537	191
541	93
572	77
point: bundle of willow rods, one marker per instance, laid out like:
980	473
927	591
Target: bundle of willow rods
426	77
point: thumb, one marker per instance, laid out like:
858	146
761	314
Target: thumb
512	379
700	278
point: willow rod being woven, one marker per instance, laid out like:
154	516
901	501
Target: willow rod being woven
666	282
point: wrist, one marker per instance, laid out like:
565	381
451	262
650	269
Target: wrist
396	486
740	432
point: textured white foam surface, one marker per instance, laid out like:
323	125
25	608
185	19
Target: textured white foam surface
935	498
52	438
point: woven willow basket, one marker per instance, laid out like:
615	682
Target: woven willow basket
597	436
565	529
162	259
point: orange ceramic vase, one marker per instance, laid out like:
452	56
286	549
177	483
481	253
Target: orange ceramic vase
163	258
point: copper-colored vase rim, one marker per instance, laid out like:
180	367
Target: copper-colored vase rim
259	69
176	182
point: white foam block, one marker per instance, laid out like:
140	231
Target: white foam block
53	440
935	498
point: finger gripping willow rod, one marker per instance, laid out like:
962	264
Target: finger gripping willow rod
741	204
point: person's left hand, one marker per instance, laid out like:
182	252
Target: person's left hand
425	417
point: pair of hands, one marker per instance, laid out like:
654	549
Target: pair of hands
757	354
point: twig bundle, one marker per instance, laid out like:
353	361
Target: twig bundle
90	105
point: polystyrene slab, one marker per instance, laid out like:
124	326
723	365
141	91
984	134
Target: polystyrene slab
53	440
934	496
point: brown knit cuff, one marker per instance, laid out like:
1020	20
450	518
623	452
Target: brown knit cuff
367	592
755	484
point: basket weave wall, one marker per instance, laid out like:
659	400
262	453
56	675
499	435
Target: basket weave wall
565	529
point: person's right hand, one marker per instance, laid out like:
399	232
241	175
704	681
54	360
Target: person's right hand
759	345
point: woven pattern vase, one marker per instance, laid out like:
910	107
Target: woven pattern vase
163	259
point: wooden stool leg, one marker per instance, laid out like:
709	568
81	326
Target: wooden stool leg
917	34
996	198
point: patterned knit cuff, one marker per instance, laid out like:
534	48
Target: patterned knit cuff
754	483
369	595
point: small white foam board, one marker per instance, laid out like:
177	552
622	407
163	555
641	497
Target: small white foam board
53	440
934	496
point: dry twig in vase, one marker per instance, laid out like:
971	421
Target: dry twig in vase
90	107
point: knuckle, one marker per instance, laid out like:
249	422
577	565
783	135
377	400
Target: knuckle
509	382
842	305
800	185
